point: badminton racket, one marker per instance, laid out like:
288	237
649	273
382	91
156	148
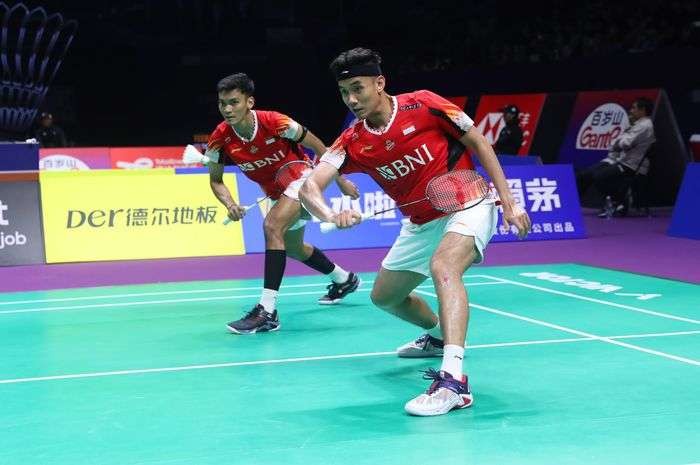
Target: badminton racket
287	174
450	192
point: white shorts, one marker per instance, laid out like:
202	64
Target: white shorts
416	243
292	191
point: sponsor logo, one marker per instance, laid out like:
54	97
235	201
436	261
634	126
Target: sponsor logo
389	144
253	149
490	126
406	164
9	239
3	209
60	162
413	106
376	203
602	126
589	285
139	163
263	162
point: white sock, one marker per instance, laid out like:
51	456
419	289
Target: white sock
436	331
452	358
339	275
268	300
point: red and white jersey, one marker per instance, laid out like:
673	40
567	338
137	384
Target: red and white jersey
420	142
271	146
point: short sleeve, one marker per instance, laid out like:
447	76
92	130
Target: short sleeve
285	126
214	145
336	154
450	118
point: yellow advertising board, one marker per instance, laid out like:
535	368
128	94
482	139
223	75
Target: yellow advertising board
133	214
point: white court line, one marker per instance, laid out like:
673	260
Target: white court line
193	291
598	301
146	294
193	299
689	361
318	358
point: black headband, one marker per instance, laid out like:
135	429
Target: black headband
370	69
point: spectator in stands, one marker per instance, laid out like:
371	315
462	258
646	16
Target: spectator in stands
511	137
626	158
48	134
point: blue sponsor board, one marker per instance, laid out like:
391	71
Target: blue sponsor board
685	221
379	231
548	193
18	156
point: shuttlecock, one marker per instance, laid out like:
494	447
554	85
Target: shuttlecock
192	155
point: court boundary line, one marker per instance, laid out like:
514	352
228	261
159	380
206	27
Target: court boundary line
598	301
193	299
191	291
101	374
565	329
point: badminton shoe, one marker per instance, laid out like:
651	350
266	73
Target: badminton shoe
255	321
424	346
337	292
444	394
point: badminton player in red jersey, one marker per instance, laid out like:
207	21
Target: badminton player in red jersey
402	142
260	142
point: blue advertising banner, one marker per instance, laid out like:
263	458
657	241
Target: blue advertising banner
547	192
685	221
18	156
380	231
549	195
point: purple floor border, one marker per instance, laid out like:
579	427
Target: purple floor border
637	245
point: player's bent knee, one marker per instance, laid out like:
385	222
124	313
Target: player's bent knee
382	299
273	228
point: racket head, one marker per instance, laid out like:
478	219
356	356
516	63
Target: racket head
457	190
292	171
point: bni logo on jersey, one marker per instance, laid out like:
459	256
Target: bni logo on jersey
602	126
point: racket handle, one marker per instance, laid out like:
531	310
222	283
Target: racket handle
327	226
246	208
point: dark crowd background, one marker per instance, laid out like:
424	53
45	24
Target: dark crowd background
144	72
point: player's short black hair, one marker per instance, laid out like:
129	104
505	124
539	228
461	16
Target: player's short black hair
354	57
645	104
239	81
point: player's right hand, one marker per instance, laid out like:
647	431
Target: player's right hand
347	219
236	212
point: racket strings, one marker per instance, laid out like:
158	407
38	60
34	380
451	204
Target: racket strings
290	172
456	190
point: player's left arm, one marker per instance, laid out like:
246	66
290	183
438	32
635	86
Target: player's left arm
512	212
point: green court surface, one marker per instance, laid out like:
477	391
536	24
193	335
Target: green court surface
568	364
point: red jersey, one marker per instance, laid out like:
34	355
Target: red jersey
420	142
271	146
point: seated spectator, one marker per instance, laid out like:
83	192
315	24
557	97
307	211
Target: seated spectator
48	134
625	159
